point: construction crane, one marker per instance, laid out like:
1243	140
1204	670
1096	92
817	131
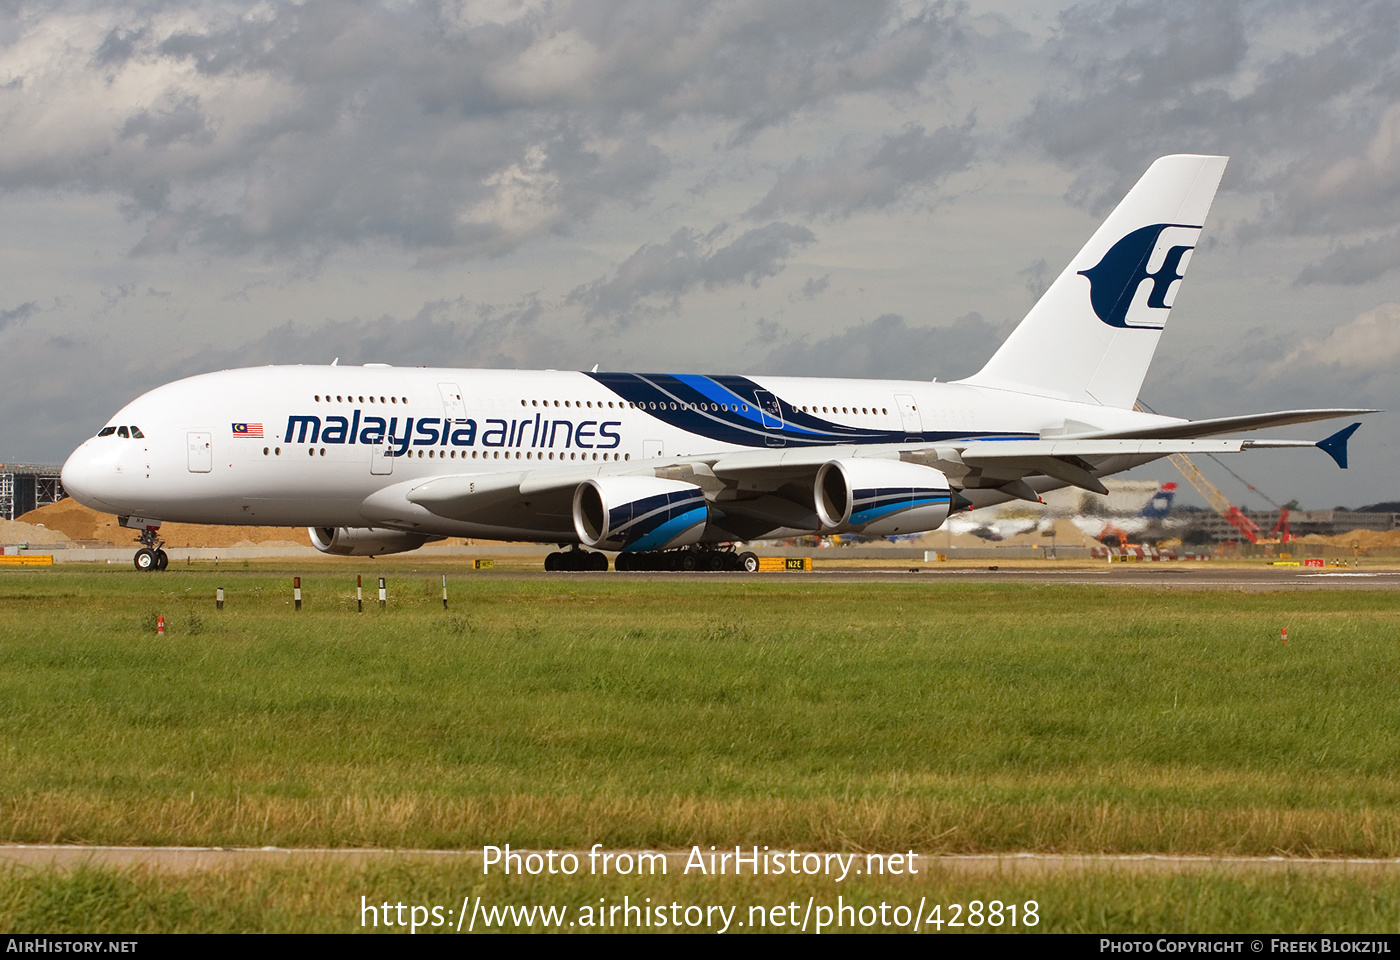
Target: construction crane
1247	527
1281	529
1215	498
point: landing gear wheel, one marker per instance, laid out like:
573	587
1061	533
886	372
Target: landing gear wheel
686	562
576	560
748	562
150	557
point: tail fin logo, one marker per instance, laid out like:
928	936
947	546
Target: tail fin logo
1148	253
1161	503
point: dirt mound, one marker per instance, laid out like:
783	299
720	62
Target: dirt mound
12	531
1367	539
77	522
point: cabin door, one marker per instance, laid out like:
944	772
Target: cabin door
201	452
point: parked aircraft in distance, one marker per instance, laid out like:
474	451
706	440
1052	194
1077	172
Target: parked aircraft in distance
1120	531
671	469
997	529
1002	523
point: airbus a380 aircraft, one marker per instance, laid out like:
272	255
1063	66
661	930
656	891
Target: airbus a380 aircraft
667	469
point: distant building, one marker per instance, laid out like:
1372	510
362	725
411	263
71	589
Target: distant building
27	486
1204	526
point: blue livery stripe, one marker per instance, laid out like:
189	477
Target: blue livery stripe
667	531
673	399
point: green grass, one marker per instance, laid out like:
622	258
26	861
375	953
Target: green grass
632	712
327	898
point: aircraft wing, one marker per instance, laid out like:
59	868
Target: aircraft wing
774	487
1076	462
1221	425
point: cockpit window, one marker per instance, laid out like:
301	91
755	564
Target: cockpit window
123	432
106	431
136	434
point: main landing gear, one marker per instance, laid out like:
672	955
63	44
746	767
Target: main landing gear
151	557
686	560
682	560
576	560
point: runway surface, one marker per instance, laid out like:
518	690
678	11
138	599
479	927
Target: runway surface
1160	576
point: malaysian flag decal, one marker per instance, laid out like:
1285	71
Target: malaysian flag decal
248	430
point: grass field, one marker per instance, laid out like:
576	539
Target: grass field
638	713
328	899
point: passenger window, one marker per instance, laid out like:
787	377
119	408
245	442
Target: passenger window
106	431
123	432
136	434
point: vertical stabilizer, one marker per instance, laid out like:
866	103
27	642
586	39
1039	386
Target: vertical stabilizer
1161	503
1091	337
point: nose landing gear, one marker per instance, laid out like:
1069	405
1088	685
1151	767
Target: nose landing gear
151	557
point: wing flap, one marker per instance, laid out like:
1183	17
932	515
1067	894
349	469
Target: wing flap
1074	461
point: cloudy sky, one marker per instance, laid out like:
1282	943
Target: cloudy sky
874	189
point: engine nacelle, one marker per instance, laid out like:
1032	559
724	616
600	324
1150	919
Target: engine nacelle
881	497
639	513
365	541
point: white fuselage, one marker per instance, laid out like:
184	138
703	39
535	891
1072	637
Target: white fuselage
333	437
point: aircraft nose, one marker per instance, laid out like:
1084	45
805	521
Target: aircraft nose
86	475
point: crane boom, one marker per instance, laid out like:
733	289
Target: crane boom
1211	492
1224	507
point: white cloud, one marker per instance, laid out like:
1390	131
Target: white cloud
524	200
320	124
560	67
876	176
1368	344
652	280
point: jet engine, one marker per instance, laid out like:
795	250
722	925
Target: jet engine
639	513
365	541
880	497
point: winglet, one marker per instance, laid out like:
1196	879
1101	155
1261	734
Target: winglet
1335	446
